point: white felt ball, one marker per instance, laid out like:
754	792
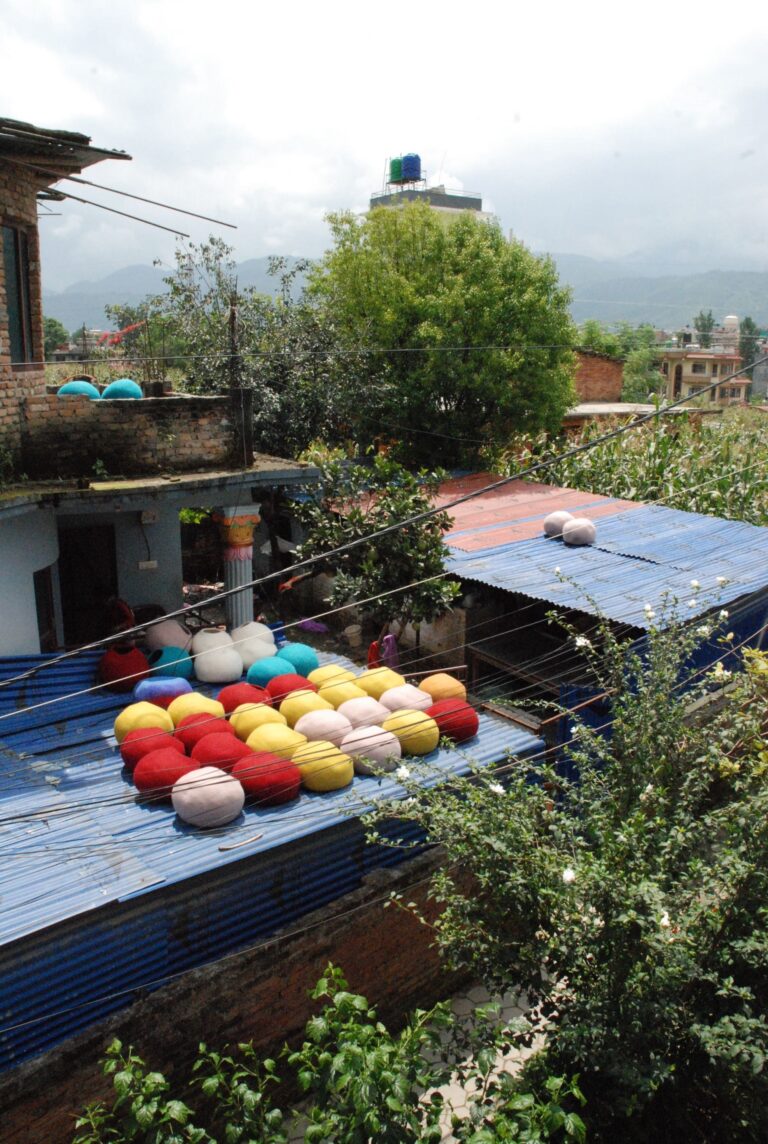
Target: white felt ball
168	633
219	665
363	712
579	530
406	695
210	638
207	797
553	524
374	744
328	725
253	641
253	631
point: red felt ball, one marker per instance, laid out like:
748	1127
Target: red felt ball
456	719
221	751
283	685
157	772
192	728
121	668
238	693
267	779
142	740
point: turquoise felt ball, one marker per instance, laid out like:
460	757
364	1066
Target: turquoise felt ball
301	655
172	661
123	387
83	388
260	672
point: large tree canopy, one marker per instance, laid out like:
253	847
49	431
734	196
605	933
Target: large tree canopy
468	335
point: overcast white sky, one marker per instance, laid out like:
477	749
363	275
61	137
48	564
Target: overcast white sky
596	128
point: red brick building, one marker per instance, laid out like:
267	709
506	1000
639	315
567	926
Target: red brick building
599	377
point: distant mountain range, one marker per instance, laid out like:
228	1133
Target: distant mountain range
610	291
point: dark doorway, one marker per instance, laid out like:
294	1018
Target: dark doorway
678	381
88	578
46	616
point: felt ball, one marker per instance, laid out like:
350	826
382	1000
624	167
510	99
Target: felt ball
406	695
192	728
142	740
338	693
323	767
120	668
254	631
276	738
157	771
237	694
378	680
443	686
301	656
162	691
142	715
248	716
298	703
78	387
580	530
168	633
363	712
418	734
328	725
260	672
220	750
455	718
193	704
553	524
217	660
172	661
267	779
331	673
207	797
122	388
366	745
254	641
283	685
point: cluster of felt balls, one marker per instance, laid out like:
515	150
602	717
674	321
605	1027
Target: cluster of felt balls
264	738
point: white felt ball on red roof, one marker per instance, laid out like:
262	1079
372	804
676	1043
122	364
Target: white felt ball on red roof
553	524
579	530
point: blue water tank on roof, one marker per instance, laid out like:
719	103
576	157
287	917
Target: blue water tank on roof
411	168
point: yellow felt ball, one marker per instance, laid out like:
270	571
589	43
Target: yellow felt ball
248	716
298	703
330	674
443	686
276	738
378	680
339	693
193	703
323	766
417	732
141	715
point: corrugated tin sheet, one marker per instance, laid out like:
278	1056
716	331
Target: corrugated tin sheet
102	895
647	555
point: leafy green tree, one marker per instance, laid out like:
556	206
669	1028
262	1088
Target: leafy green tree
749	341
148	336
642	377
468	335
54	335
704	324
355	500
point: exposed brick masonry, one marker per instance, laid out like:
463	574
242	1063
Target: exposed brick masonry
598	376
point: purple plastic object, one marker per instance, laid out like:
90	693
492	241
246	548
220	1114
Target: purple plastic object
312	626
389	654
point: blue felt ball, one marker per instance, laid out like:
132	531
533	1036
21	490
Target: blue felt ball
163	690
123	387
301	656
171	661
79	387
260	672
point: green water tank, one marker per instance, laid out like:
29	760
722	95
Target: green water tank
396	170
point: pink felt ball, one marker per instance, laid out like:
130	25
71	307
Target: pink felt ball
283	685
221	751
406	696
207	797
366	745
328	725
238	693
456	719
363	712
140	742
192	728
158	771
267	779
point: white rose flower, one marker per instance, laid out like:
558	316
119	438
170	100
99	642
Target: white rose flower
402	773
497	788
569	875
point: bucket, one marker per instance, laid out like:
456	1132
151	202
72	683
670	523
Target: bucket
354	635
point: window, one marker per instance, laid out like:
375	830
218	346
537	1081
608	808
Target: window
714	369
665	368
698	367
16	263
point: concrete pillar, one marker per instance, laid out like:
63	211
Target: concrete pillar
236	530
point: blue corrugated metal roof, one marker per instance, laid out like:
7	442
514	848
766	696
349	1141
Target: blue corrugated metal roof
648	555
73	837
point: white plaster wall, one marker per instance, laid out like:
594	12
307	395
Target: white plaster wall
27	544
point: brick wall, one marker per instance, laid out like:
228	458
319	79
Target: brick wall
260	995
18	208
598	377
67	436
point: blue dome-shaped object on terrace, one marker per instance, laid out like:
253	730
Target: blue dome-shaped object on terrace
80	388
123	387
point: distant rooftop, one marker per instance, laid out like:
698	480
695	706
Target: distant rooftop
62	148
435	196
